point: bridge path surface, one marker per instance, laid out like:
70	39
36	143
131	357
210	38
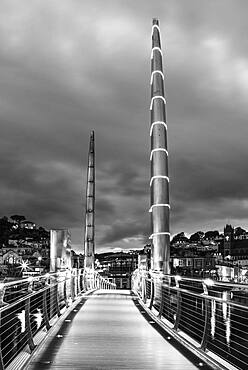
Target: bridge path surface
108	332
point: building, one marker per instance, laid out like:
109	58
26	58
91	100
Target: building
117	267
27	225
235	247
195	265
60	250
228	240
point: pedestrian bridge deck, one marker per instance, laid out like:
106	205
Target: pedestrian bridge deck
107	331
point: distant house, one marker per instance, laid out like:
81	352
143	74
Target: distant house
27	225
194	263
14	242
11	257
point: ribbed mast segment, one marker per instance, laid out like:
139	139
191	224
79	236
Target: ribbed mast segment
159	184
89	237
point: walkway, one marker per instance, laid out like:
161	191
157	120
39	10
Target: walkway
108	332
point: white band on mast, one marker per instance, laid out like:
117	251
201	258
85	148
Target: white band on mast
159	205
162	233
153	73
156	48
157	97
157	123
155	26
159	177
158	150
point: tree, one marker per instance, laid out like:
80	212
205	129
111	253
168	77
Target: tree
18	218
179	238
196	237
5	230
239	231
211	234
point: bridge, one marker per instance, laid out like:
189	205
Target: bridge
75	318
78	320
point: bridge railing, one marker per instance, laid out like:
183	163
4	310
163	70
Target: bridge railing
29	307
208	316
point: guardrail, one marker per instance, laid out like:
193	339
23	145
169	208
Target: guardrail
208	316
29	307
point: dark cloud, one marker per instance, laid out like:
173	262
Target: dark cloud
129	230
67	67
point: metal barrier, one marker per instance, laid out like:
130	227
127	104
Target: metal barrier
210	316
31	306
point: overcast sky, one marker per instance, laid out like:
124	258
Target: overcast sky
70	66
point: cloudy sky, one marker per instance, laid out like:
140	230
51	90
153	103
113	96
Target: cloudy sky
70	66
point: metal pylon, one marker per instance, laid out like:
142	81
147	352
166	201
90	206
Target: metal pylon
159	183
89	236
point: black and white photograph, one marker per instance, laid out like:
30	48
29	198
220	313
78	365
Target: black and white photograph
123	188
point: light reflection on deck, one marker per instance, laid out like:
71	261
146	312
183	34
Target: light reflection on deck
108	332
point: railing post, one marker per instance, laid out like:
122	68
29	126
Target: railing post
72	288
179	303
78	281
161	300
205	336
152	293
98	282
54	305
28	325
56	296
65	293
94	281
74	273
143	288
84	281
44	308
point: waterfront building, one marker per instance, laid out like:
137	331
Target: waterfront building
117	267
194	266
60	249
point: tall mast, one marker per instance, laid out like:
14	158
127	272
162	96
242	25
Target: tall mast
159	183
89	236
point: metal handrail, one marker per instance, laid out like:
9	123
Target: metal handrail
22	318
211	316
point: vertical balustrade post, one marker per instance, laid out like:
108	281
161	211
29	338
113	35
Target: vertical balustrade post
143	288
152	293
44	308
205	336
78	281
84	282
56	298
98	281
72	287
161	308
65	293
179	304
28	325
75	283
81	280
